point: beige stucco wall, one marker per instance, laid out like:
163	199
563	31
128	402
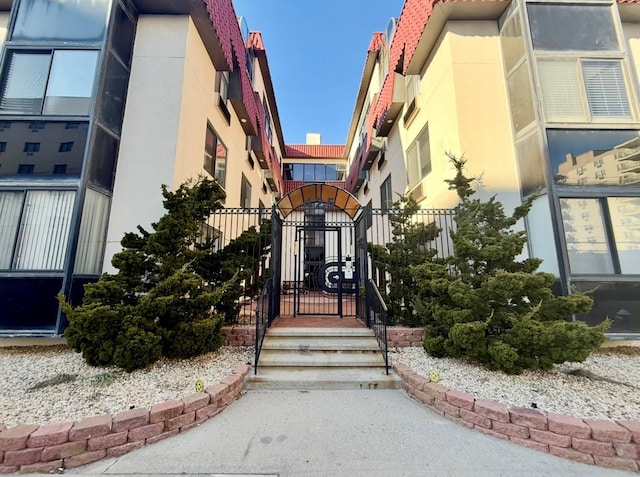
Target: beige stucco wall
147	156
464	101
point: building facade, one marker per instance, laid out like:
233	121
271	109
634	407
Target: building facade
102	102
540	98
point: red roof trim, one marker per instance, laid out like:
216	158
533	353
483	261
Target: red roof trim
314	151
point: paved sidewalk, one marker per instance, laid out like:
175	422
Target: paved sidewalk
336	433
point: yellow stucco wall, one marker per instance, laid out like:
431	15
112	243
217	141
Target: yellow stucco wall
632	36
4	22
464	101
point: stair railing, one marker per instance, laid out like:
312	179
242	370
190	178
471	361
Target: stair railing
377	318
263	319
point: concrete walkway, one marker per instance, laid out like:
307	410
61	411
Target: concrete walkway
336	433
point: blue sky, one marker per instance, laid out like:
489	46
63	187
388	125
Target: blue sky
316	52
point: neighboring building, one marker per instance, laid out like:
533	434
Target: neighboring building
540	97
101	102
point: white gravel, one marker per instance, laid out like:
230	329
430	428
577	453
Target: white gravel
96	391
99	390
553	391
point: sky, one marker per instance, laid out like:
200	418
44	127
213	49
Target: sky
316	51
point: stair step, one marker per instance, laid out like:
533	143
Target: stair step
320	358
320	343
294	378
333	332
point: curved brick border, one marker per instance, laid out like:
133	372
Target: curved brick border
614	444
46	448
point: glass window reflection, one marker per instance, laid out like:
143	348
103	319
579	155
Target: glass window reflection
625	222
590	157
49	156
71	82
586	237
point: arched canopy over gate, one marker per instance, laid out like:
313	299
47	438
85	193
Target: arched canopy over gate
319	193
318	232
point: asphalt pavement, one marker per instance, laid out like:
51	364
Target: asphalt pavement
336	433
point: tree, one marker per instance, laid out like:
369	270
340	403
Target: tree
484	304
157	304
409	247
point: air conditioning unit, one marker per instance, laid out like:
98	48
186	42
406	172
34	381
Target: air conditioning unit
418	193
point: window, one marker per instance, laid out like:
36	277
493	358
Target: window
267	120
93	227
47	20
245	193
588	251
59	169
26	168
49	82
223	85
616	151
419	159
31	147
3	146
386	194
576	27
215	156
578	90
34	229
65	147
37	125
412	84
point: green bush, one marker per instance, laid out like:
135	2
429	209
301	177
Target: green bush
484	304
157	304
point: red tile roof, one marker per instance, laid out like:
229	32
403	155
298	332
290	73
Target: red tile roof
314	151
376	42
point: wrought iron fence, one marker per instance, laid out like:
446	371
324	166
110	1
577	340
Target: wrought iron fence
377	319
264	316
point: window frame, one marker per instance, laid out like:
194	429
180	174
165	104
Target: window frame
421	163
386	194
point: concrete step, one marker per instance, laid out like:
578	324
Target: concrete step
333	332
324	358
320	343
294	378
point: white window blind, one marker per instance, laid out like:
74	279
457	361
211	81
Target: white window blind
95	215
605	87
44	231
10	208
561	90
25	83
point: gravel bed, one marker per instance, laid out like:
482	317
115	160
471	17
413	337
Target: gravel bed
553	391
53	384
33	388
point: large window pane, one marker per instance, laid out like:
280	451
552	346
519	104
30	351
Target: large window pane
103	160
52	149
123	33
625	222
512	42
540	233
530	164
71	82
63	20
26	79
521	98
10	209
576	27
594	157
93	228
113	98
618	301
44	232
586	238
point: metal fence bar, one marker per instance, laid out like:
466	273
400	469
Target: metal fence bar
263	319
377	319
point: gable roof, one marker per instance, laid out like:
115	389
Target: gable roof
314	151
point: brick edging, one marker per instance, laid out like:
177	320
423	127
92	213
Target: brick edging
49	447
614	444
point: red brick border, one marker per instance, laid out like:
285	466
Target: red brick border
614	444
46	448
240	335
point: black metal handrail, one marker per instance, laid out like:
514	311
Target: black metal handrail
377	318
263	319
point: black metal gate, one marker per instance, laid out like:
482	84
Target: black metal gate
318	275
